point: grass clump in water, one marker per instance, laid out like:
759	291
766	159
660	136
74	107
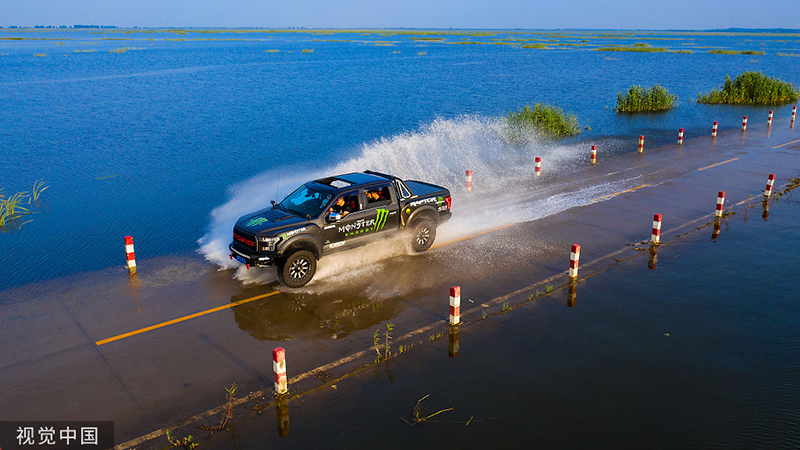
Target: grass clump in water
639	99
11	209
751	88
639	47
542	120
735	52
538	46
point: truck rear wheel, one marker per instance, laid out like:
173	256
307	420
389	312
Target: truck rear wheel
298	268
423	233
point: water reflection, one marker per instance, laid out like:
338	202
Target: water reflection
651	262
717	229
135	285
765	209
282	413
288	316
453	345
572	293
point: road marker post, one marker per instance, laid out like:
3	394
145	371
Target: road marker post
130	255
655	236
769	119
744	123
594	154
455	305
641	144
680	136
574	256
770	182
538	164
279	369
720	204
794	113
714	129
469	180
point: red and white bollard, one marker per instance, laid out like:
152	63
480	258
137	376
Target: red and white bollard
455	305
641	144
720	204
770	182
279	369
794	113
538	164
574	256
714	129
469	180
594	154
129	254
744	123
655	237
769	119
680	136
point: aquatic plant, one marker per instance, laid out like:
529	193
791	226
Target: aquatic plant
308	50
419	410
640	47
376	343
185	443
735	52
11	209
752	88
539	46
639	99
543	120
228	414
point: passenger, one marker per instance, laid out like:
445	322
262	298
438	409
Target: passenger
375	196
341	207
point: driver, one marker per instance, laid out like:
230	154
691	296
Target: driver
341	207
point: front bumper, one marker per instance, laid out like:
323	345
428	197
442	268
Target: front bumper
252	259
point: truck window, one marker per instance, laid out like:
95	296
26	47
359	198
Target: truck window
378	196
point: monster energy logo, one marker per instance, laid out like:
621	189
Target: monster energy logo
381	221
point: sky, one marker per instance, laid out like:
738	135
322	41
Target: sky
474	14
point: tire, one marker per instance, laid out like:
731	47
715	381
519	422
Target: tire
423	233
298	268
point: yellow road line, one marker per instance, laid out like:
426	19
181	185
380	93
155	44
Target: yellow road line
184	318
472	236
718	164
783	145
618	193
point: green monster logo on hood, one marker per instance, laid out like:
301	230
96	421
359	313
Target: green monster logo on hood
256	221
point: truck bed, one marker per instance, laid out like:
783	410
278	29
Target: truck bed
422	189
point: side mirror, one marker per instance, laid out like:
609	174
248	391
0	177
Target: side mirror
334	217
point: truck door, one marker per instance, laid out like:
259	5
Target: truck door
381	209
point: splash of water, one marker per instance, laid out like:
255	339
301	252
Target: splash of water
439	153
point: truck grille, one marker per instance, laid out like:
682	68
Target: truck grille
244	240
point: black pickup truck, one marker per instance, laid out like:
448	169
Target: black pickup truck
334	214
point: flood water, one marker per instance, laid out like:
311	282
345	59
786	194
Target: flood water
147	132
170	135
695	350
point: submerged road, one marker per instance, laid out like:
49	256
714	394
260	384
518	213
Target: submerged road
155	350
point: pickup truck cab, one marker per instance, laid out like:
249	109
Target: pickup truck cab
335	214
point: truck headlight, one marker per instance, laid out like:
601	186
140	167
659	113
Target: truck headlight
268	243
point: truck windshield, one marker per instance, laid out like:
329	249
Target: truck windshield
305	202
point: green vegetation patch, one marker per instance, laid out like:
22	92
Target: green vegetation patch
752	88
639	99
735	52
640	47
539	46
12	210
541	120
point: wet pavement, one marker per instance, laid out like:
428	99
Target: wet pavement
54	369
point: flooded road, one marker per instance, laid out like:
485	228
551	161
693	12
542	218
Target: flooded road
152	351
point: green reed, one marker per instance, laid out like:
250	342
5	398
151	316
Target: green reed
543	120
640	99
752	88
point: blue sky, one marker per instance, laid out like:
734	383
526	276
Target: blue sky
531	14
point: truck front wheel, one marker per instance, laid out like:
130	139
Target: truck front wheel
423	232
298	268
